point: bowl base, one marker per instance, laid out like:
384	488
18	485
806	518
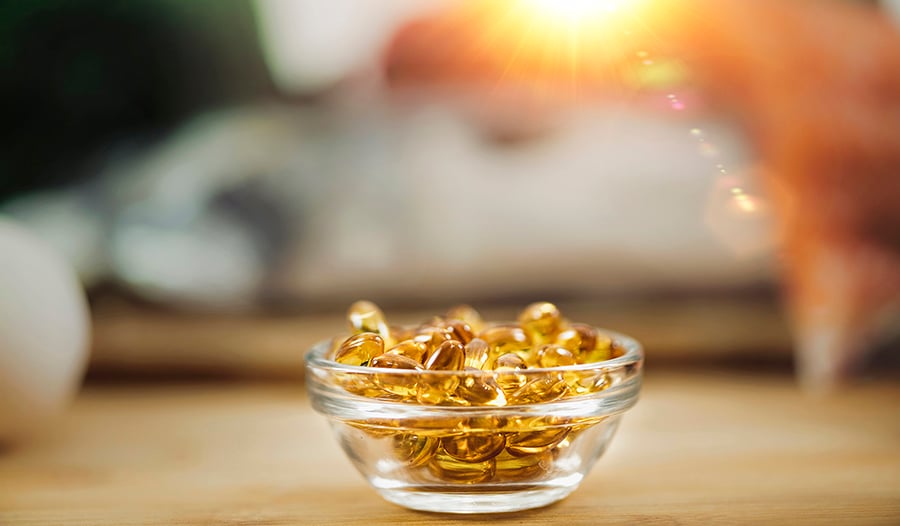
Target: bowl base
476	501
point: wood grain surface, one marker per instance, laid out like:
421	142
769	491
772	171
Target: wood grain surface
699	448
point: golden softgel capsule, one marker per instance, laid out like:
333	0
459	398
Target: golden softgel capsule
414	450
603	350
438	387
403	382
555	356
542	389
474	447
460	331
365	316
578	338
449	469
512	468
508	367
411	349
450	356
504	339
480	389
530	442
468	315
541	321
477	353
359	349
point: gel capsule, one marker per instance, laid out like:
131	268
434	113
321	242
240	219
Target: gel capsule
365	316
481	389
359	349
437	388
432	337
541	321
477	352
467	314
460	330
414	450
584	382
555	356
503	339
578	338
540	390
401	383
411	349
508	366
602	350
528	443
510	467
449	469
474	447
450	356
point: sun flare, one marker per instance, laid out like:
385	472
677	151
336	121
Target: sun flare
573	10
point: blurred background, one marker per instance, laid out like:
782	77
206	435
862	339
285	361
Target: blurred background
193	192
227	176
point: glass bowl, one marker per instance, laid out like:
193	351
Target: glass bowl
505	440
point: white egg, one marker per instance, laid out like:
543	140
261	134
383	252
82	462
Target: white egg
44	331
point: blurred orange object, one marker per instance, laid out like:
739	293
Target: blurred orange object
817	83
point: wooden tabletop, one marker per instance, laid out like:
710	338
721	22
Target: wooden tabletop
699	448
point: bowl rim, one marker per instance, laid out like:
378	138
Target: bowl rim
634	353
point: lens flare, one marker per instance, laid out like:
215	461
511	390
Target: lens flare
574	10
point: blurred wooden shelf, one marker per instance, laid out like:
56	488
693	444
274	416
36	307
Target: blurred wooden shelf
697	449
132	340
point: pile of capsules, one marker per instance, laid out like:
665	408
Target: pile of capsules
484	448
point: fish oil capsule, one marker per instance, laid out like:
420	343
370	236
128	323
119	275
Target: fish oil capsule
401	383
436	388
448	469
414	450
555	356
522	468
541	321
503	339
479	388
474	447
477	352
432	337
508	366
411	349
460	330
602	350
540	390
578	338
531	442
468	315
584	382
359	349
450	356
365	316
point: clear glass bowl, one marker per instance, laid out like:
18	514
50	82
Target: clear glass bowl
498	454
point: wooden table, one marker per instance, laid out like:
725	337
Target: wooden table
699	448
